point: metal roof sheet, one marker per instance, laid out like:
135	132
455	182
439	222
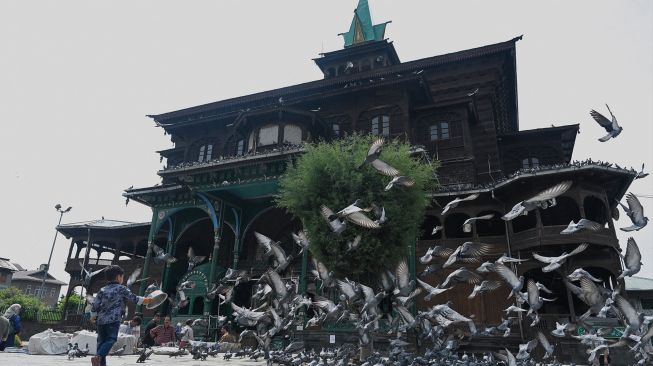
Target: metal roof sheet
638	284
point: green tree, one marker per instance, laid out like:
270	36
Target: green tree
73	302
328	173
29	303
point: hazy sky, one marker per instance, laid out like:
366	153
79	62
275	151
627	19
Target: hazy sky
78	77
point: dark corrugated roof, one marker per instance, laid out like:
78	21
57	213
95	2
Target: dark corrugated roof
272	96
35	276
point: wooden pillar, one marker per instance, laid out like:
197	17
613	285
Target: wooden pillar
237	235
217	237
148	256
170	248
70	250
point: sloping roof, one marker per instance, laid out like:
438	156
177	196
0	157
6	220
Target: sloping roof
270	97
101	224
35	276
5	264
638	284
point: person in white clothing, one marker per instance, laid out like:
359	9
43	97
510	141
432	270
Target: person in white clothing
187	334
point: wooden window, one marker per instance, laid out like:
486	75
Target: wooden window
52	292
531	162
28	290
268	135
205	153
433	132
240	147
292	134
381	125
444	130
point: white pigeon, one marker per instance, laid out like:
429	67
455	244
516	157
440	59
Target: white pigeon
467	225
554	263
582	224
457	201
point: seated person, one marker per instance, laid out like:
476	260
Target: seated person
132	327
164	334
147	340
186	334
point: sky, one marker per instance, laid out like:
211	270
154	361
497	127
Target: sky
77	79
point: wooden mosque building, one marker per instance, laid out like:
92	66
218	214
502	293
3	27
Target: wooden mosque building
226	157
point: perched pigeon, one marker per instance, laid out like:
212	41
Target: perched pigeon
641	173
612	127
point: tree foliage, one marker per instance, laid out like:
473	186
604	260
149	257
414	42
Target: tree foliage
13	295
328	173
74	300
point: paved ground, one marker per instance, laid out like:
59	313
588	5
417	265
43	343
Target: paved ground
22	359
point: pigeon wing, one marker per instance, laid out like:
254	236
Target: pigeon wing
578	249
264	241
507	274
602	120
360	219
633	256
551	192
384	168
402	275
590	225
375	147
544	259
635	207
627	310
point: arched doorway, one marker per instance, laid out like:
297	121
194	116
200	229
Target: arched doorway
453	226
595	210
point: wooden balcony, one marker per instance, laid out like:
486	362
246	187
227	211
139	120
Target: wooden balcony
550	235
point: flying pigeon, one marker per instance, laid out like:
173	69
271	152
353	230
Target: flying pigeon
582	224
467	225
372	159
400	180
160	256
554	263
193	259
544	199
612	127
457	201
635	212
632	259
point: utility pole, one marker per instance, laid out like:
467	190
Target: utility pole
47	266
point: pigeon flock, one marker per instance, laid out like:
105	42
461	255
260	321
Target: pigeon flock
384	312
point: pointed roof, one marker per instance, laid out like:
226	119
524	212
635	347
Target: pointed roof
361	29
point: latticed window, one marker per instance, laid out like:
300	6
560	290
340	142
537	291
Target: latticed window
268	135
444	131
240	147
381	125
206	151
530	163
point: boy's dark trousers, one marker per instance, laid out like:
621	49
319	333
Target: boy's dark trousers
107	334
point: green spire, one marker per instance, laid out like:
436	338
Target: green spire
361	29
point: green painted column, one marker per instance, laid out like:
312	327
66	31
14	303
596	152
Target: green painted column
237	218
148	256
217	237
302	278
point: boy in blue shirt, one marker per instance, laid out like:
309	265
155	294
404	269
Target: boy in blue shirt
107	311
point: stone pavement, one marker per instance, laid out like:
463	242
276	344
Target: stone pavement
23	359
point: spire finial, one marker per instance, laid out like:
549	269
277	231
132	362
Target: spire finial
361	29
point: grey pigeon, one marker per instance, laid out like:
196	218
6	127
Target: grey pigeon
612	127
336	224
580	273
543	200
635	212
582	224
467	225
160	256
641	173
632	259
372	159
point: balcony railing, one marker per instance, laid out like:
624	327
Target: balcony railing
550	235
